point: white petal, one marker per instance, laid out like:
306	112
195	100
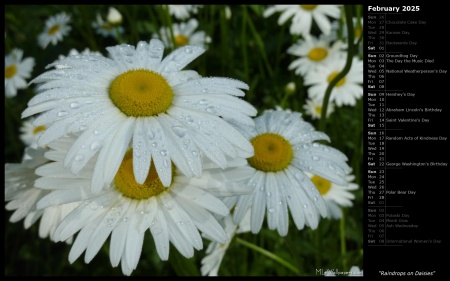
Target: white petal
141	152
119	146
160	234
178	59
160	153
272	187
258	206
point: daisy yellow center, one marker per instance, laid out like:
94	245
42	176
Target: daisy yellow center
322	184
141	92
106	26
181	40
128	186
318	109
333	75
53	29
317	54
272	153
308	7
10	71
39	129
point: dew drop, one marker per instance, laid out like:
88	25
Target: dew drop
188	50
166	163
79	157
157	231
95	145
269	194
316	144
179	131
74	105
203	102
316	158
271	210
150	135
154	144
96	132
62	113
189	119
194	153
211	109
94	206
163	152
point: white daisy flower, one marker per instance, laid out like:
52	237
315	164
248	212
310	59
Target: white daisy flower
313	51
313	108
16	71
285	149
137	98
56	27
346	92
126	210
357	28
22	195
215	251
183	12
184	34
303	17
335	195
107	28
29	133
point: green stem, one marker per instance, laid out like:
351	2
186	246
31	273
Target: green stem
343	244
260	45
348	65
267	254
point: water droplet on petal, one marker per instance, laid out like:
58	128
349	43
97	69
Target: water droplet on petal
62	113
188	50
95	145
211	109
96	132
315	144
203	102
271	210
179	131
316	158
157	231
79	157
163	152
195	153
269	194
166	163
74	105
150	135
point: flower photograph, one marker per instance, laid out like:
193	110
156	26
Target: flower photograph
183	140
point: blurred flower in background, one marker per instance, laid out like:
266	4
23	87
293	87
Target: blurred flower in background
313	108
312	52
303	16
16	71
347	90
56	27
183	12
184	33
112	26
